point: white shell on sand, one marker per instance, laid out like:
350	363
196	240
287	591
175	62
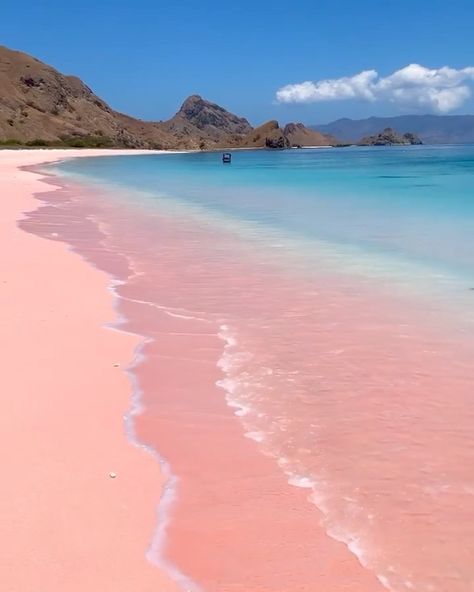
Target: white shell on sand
112	475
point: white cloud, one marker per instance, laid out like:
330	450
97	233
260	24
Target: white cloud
440	90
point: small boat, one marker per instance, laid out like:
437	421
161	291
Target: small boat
227	157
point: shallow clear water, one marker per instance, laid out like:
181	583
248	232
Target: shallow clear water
414	201
331	293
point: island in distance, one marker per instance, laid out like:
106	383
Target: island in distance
389	137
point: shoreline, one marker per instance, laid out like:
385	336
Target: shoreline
229	516
188	419
62	519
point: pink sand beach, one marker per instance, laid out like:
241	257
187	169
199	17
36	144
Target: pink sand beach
266	486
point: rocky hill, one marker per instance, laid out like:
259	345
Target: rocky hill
271	135
206	125
389	137
39	106
37	103
300	135
267	135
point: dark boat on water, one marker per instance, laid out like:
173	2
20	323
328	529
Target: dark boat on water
227	157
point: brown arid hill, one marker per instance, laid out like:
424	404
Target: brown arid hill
299	135
271	135
389	137
39	103
39	106
206	125
268	135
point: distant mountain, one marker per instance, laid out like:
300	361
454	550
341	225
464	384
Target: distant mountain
389	137
432	129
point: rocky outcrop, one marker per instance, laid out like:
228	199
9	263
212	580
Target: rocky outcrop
412	139
277	143
299	135
257	138
206	125
389	137
210	117
271	135
268	135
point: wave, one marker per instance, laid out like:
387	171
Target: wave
231	363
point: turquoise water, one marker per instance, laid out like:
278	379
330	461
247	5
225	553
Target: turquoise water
416	203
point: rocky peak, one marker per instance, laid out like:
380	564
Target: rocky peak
268	135
291	128
204	114
271	135
299	135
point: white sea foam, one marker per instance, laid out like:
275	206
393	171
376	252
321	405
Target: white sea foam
168	310
225	334
242	410
230	386
283	462
256	436
300	481
385	582
175	315
230	363
155	553
225	363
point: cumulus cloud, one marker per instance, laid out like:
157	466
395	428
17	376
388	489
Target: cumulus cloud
440	90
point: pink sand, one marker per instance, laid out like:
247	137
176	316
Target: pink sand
66	525
370	392
236	524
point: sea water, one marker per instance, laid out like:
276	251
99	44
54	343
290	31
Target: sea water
333	292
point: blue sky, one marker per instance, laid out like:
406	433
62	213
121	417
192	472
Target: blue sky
144	57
